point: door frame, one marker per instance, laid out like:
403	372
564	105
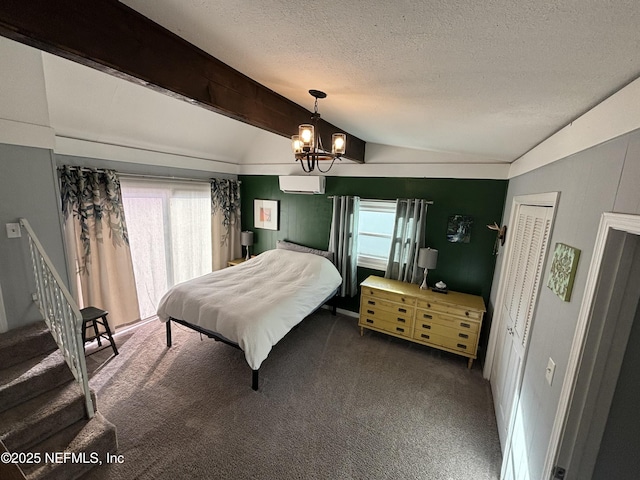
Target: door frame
549	199
596	376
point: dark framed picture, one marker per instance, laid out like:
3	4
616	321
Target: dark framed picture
459	228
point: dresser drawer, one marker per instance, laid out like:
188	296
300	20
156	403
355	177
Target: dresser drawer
375	303
400	319
448	332
462	346
447	321
450	309
397	328
385	295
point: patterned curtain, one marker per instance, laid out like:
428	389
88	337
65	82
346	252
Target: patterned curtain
97	243
225	222
407	240
343	242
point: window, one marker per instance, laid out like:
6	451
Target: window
375	225
169	225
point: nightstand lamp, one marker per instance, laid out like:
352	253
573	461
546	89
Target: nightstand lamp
427	259
246	239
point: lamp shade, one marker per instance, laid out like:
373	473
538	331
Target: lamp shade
246	238
338	143
427	258
306	135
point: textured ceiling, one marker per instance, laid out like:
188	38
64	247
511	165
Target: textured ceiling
491	79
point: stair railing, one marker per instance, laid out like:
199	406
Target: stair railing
60	312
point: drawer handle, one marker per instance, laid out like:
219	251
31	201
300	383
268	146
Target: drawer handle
400	319
402	310
371	312
371	302
427	326
425	315
463	335
424	335
402	299
465	325
369	320
428	305
460	345
400	329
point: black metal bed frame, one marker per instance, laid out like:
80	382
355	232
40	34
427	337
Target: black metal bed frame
219	338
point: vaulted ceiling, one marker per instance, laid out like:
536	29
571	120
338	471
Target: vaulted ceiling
465	81
491	79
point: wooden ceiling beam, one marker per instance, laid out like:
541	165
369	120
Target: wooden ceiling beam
113	38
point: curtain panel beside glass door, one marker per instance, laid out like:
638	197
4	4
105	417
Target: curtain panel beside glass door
225	222
97	242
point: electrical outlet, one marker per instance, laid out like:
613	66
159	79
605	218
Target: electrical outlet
13	230
551	369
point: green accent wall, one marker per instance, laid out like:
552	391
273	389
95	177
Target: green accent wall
306	219
464	267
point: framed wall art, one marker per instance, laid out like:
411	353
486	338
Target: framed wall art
563	270
459	228
265	214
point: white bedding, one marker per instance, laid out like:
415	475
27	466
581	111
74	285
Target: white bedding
255	303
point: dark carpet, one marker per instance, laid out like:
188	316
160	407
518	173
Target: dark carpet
331	405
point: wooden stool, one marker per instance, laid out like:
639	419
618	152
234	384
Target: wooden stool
90	315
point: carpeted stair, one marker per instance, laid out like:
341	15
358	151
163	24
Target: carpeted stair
42	409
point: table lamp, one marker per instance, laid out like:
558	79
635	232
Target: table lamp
427	259
246	239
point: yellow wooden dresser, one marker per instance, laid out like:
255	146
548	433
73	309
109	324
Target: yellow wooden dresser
450	322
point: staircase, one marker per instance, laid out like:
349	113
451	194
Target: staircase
42	409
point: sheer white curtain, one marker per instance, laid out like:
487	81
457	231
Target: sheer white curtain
169	225
408	238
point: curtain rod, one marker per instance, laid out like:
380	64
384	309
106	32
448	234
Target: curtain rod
142	175
428	202
163	177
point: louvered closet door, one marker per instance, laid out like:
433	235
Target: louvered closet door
531	236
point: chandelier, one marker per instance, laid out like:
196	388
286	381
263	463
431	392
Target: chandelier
307	145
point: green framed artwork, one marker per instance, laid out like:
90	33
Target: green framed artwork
563	270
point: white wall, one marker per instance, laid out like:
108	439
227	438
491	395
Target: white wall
24	114
602	179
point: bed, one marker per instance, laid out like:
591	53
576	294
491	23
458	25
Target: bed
253	305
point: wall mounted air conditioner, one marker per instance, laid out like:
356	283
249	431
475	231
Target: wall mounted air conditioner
311	184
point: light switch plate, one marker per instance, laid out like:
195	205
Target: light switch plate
13	230
551	369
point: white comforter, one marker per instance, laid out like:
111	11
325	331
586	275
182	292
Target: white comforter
255	303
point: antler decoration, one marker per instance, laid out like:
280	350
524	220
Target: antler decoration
502	235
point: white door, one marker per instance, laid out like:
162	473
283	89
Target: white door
531	237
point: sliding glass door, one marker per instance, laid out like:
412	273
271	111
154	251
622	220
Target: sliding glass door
169	224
